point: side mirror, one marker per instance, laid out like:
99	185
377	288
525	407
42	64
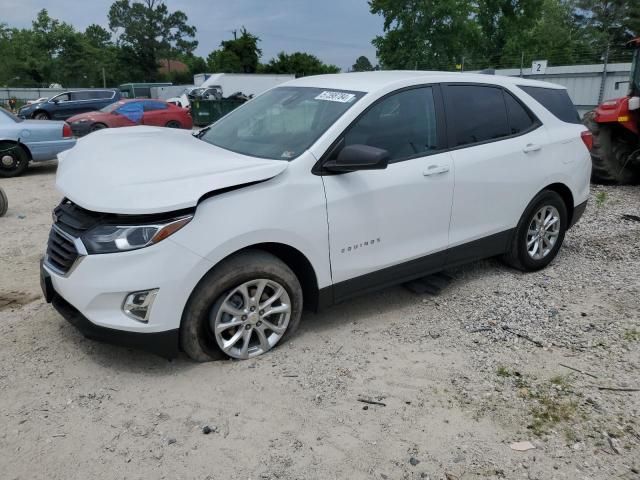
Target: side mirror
55	100
358	157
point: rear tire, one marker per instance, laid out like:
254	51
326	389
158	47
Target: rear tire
14	160
173	124
610	155
97	126
201	337
41	116
522	253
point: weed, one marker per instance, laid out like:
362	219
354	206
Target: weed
503	371
601	198
632	335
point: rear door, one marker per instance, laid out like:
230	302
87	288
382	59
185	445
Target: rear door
392	224
498	149
155	113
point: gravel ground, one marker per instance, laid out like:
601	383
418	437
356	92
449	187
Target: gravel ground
497	357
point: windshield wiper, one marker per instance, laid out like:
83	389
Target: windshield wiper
201	132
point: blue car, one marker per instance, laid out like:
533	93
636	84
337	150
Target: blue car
68	104
24	141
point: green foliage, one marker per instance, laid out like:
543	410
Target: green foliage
425	35
601	198
362	65
299	64
240	55
148	32
439	34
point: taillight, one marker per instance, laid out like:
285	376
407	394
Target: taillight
66	131
587	138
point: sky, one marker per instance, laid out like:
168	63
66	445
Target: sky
336	31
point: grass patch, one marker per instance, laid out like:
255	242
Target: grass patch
503	371
550	411
631	335
601	198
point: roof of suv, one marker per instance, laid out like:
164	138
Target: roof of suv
372	81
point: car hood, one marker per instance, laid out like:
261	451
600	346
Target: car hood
140	170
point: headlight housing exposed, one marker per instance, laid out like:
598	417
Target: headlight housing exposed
122	238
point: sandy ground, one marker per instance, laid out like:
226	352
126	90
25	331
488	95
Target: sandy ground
457	384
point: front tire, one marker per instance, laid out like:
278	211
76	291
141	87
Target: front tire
173	124
97	126
41	116
242	308
539	234
4	203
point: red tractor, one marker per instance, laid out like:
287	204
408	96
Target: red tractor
615	125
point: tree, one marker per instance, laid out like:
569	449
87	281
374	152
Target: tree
610	22
430	34
362	65
298	63
240	55
146	32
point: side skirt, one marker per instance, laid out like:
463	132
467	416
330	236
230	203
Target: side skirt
486	247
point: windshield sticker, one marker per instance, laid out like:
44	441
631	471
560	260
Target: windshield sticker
340	97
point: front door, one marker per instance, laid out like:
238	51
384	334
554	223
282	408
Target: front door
391	225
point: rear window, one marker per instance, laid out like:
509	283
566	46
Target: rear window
555	100
519	119
479	113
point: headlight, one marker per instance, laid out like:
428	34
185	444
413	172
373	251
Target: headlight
121	238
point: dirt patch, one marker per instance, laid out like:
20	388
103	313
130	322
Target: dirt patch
16	299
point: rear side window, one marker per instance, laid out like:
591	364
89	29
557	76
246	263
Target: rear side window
82	96
556	100
478	113
403	123
152	106
520	120
103	94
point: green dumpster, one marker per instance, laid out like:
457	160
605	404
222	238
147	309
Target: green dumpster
205	112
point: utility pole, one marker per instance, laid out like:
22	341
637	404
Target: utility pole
235	34
521	63
104	79
462	65
604	74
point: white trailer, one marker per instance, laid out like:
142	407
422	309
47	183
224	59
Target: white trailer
247	83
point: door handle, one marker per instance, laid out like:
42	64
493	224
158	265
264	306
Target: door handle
435	170
531	147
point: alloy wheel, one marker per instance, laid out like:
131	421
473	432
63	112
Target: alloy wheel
251	319
543	232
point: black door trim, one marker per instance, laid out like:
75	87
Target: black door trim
486	247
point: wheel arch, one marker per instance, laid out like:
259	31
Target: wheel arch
566	195
20	144
293	258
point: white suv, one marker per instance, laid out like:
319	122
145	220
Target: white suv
314	192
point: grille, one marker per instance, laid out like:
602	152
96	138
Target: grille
61	251
71	222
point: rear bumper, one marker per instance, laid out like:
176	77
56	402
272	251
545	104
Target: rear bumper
578	211
41	151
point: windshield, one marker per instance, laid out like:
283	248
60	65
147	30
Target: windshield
112	107
282	123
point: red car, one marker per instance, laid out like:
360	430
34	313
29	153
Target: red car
127	113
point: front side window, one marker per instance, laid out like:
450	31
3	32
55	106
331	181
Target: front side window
403	124
478	113
281	123
63	97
